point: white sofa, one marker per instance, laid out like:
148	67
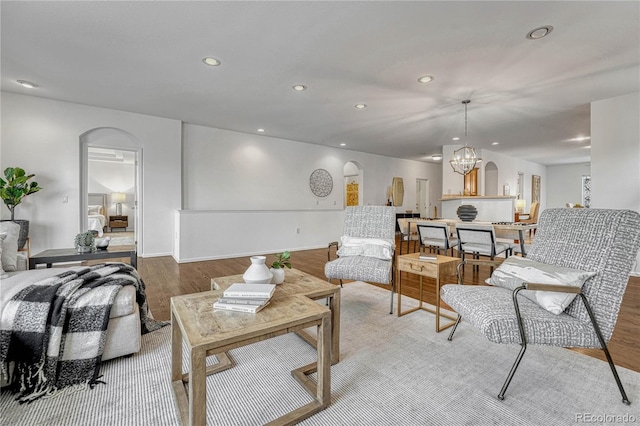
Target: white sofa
123	332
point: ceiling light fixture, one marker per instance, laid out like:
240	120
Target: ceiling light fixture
495	143
455	138
343	144
361	106
299	87
261	130
464	160
211	61
426	79
27	84
539	32
436	157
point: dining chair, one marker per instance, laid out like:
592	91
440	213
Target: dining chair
367	247
435	235
532	216
477	240
566	293
406	235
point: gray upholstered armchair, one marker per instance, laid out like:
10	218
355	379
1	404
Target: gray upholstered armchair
366	250
582	259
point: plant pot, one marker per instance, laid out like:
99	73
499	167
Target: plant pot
258	272
24	231
278	275
84	249
467	212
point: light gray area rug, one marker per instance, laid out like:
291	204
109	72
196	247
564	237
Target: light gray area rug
393	371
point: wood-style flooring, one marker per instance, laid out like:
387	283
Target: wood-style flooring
164	278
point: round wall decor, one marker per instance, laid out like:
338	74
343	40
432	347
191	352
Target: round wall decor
321	183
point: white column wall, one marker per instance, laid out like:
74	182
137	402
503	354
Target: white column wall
615	154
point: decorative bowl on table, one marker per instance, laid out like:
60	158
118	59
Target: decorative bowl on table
102	243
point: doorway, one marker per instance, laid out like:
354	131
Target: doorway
111	170
423	201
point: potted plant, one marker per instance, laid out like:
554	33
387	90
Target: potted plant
85	242
13	190
277	267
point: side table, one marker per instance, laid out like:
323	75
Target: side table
442	266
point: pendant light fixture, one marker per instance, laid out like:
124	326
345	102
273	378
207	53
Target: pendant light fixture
464	160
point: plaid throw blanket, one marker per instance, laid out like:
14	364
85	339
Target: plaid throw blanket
40	319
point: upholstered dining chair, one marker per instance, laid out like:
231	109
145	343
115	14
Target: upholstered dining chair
479	239
367	247
532	216
435	235
406	235
566	293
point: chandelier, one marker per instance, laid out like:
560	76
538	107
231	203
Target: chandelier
464	160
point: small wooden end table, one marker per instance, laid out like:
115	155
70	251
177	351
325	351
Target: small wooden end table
442	266
213	332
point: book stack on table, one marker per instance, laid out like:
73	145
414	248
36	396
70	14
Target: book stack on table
241	297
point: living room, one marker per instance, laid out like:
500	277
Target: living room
210	192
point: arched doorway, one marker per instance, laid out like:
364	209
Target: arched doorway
108	139
491	179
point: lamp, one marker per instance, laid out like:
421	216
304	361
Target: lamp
520	204
118	198
464	160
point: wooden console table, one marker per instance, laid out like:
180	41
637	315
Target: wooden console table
71	255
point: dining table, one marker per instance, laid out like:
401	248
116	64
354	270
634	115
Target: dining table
506	230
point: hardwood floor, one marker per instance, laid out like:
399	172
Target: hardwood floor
164	278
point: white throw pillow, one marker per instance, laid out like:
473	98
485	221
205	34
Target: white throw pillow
95	209
516	270
9	245
3	235
369	247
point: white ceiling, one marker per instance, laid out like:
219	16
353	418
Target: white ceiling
532	97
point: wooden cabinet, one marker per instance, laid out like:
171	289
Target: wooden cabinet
118	222
471	182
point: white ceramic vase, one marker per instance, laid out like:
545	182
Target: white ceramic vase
258	272
278	275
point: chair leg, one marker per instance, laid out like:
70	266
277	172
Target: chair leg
514	367
453	329
625	399
393	288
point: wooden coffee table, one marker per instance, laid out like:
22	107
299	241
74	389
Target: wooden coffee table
209	332
443	266
298	282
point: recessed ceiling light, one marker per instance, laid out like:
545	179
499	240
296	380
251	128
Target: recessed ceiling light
343	144
539	32
436	157
261	130
27	84
299	87
361	106
582	138
426	78
455	139
495	143
211	61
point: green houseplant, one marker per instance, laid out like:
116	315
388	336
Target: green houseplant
85	242
278	265
13	190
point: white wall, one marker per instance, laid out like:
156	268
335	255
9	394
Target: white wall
246	194
43	137
615	154
565	184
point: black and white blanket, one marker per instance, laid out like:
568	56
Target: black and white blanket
47	314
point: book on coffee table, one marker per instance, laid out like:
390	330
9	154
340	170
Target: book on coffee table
239	307
253	291
243	300
424	256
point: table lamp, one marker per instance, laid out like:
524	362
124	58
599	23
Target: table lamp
520	205
118	198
